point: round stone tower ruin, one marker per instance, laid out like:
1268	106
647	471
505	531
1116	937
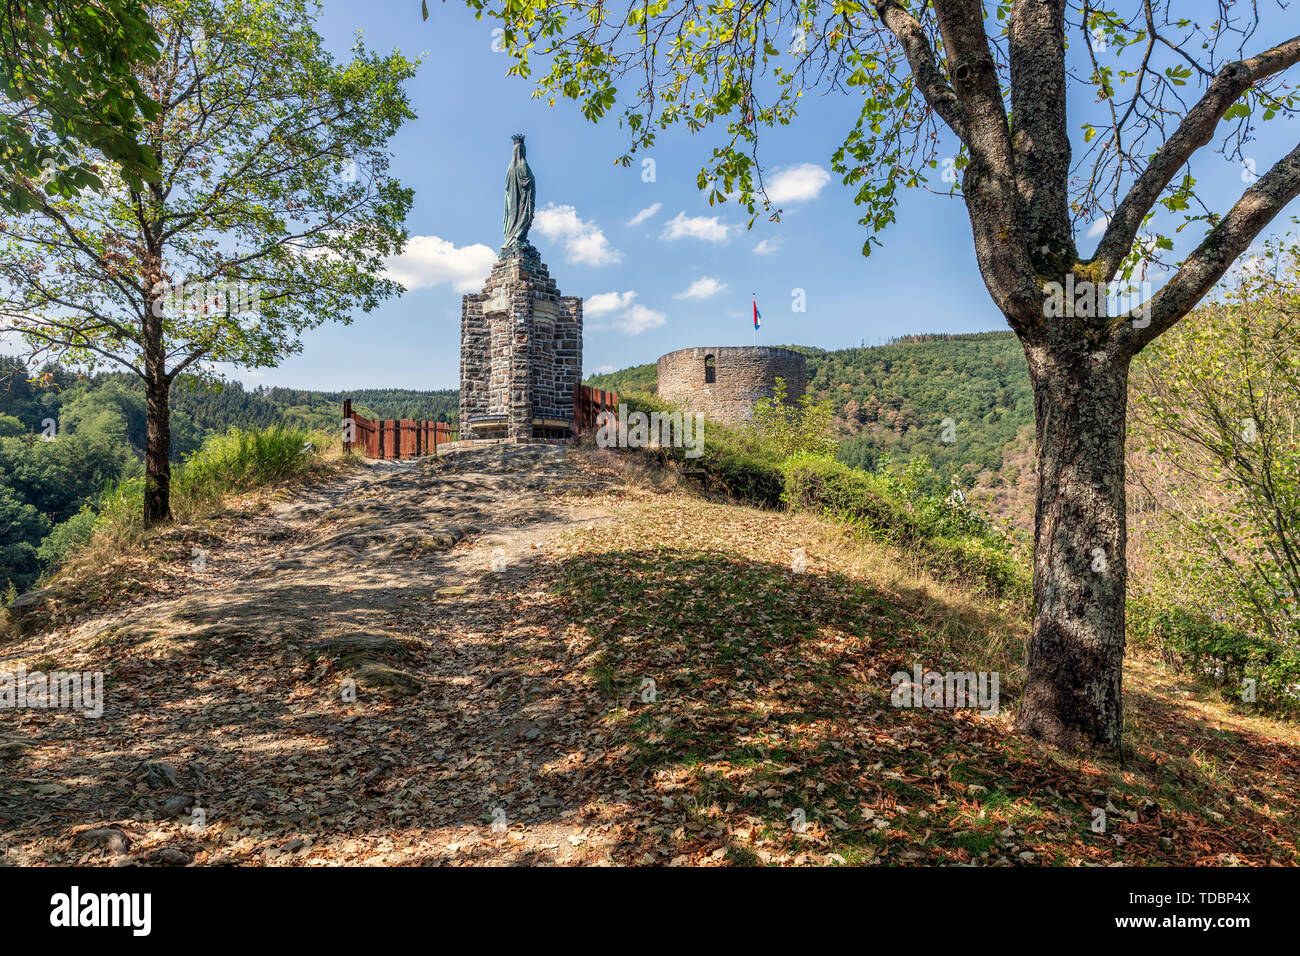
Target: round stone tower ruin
725	381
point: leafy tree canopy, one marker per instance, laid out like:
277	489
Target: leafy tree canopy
68	75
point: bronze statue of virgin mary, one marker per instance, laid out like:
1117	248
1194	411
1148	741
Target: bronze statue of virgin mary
521	196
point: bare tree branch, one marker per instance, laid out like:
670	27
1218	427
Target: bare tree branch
1215	255
1196	129
925	67
989	184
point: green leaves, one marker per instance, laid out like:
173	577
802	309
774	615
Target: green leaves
67	72
277	214
1217	418
785	429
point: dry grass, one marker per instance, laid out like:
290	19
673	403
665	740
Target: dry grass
773	684
775	697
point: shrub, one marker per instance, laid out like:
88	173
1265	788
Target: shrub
1217	652
739	466
789	429
784	464
67	536
827	486
243	459
735	461
948	538
237	461
119	505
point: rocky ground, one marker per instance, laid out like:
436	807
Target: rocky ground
332	688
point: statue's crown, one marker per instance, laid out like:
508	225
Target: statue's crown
518	137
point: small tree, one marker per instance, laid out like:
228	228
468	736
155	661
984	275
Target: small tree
1217	422
272	212
799	428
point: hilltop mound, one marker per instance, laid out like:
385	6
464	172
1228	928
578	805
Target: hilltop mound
554	662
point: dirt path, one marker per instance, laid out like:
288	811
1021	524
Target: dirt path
341	692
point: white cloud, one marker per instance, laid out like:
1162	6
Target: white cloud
584	242
767	247
638	319
797	183
710	228
429	261
1248	264
604	369
1098	227
645	214
618	310
603	303
705	287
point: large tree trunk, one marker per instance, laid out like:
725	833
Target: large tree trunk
157	449
158	421
1076	650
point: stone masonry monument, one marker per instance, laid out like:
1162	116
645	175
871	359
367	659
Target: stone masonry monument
520	340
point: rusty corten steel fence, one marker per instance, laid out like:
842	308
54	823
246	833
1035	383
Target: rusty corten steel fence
409	438
394	437
588	403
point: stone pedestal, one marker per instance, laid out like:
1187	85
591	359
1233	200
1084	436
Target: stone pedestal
520	353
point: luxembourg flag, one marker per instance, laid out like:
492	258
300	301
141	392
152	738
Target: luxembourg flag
758	316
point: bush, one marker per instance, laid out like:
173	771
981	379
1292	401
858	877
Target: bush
739	466
1217	652
948	538
826	486
735	461
779	464
789	429
237	461
243	459
68	536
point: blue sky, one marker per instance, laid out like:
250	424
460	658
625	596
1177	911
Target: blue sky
659	269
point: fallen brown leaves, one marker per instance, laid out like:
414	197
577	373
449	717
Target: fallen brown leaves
645	677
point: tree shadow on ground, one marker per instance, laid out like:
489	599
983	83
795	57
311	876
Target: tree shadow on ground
752	706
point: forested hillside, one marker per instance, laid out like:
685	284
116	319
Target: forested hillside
65	438
962	400
637	378
32	397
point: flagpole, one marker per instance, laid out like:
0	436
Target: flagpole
755	307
